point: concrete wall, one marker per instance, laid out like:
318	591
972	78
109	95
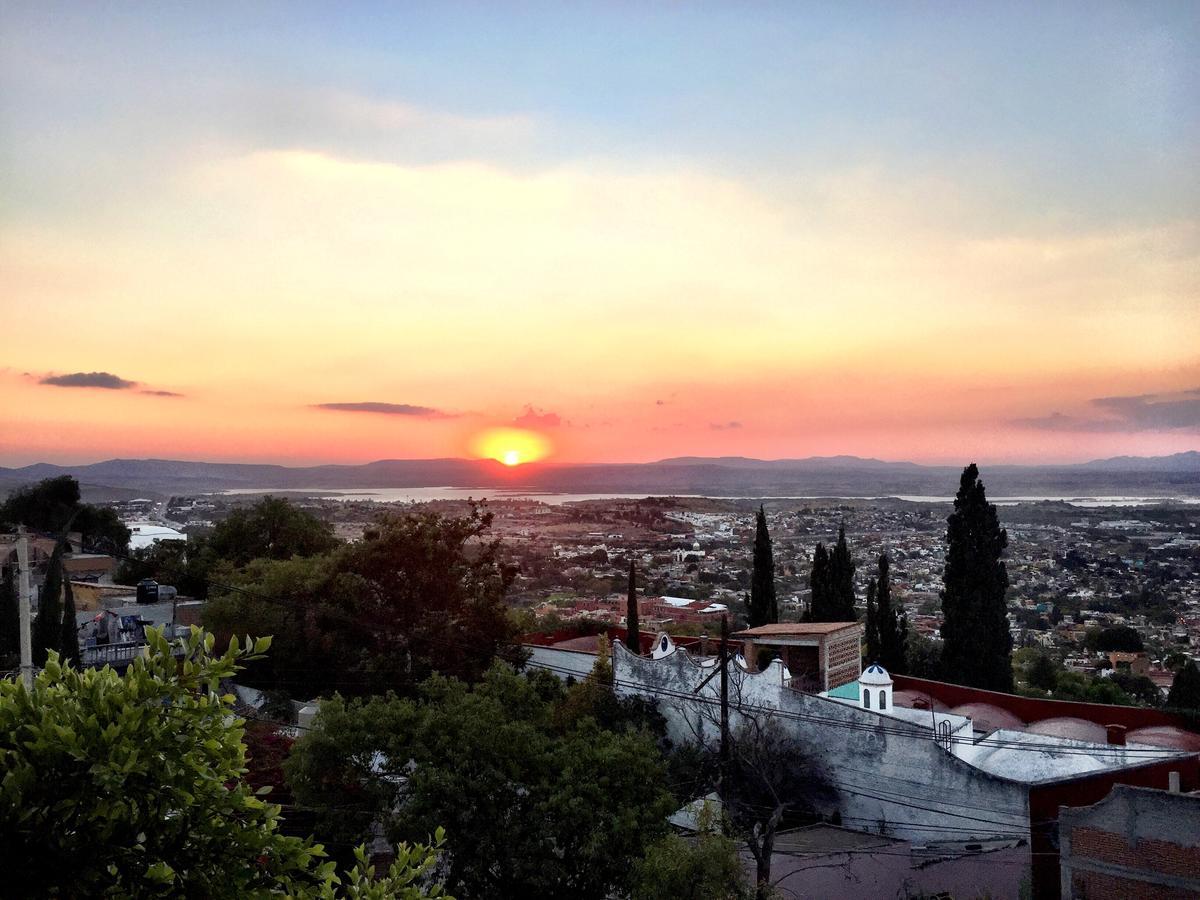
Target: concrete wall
561	662
1138	842
890	775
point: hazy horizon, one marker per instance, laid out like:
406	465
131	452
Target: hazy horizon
982	462
295	234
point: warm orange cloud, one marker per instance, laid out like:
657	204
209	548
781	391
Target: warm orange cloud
832	314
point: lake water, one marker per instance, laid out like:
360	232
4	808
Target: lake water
424	494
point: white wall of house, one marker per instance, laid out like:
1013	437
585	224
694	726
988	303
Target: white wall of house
890	774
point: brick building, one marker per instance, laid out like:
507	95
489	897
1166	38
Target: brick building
820	655
1135	843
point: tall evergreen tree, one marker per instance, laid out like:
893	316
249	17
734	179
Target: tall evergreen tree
10	615
47	627
632	639
818	582
976	645
841	582
762	608
874	651
891	629
69	639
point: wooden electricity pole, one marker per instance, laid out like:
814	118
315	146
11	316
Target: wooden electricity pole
23	605
724	696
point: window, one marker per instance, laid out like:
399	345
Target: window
882	699
866	699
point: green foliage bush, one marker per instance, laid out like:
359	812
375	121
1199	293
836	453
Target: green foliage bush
131	786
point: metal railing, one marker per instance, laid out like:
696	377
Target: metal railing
111	654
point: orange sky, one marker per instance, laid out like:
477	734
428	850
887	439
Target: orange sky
491	262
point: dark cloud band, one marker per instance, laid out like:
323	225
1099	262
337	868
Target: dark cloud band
1138	412
388	409
105	380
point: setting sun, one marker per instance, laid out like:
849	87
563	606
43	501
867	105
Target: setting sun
511	446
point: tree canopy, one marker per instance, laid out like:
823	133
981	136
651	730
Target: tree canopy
130	785
273	528
537	799
421	593
1185	688
976	645
53	504
705	868
183	564
1118	638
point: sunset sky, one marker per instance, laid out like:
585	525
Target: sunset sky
343	232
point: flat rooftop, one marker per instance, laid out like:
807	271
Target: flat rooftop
795	629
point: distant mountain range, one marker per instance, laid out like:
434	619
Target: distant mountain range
833	476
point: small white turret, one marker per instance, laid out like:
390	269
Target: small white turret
663	646
875	688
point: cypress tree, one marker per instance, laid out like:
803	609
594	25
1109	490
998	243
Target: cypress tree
874	651
892	630
632	640
10	615
841	582
762	608
69	640
976	645
47	627
818	581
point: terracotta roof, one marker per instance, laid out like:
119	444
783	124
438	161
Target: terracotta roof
799	629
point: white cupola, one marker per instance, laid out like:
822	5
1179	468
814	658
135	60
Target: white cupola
663	646
875	688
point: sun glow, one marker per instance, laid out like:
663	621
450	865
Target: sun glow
511	446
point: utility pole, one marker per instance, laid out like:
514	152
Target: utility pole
23	604
724	697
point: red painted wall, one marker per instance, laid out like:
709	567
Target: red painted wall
1031	709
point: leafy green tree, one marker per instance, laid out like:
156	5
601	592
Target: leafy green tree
1043	672
130	785
185	565
887	633
707	868
419	594
820	606
976	645
1185	688
534	805
308	609
431	593
923	656
1139	687
762	607
1075	686
1120	638
54	504
632	635
273	528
